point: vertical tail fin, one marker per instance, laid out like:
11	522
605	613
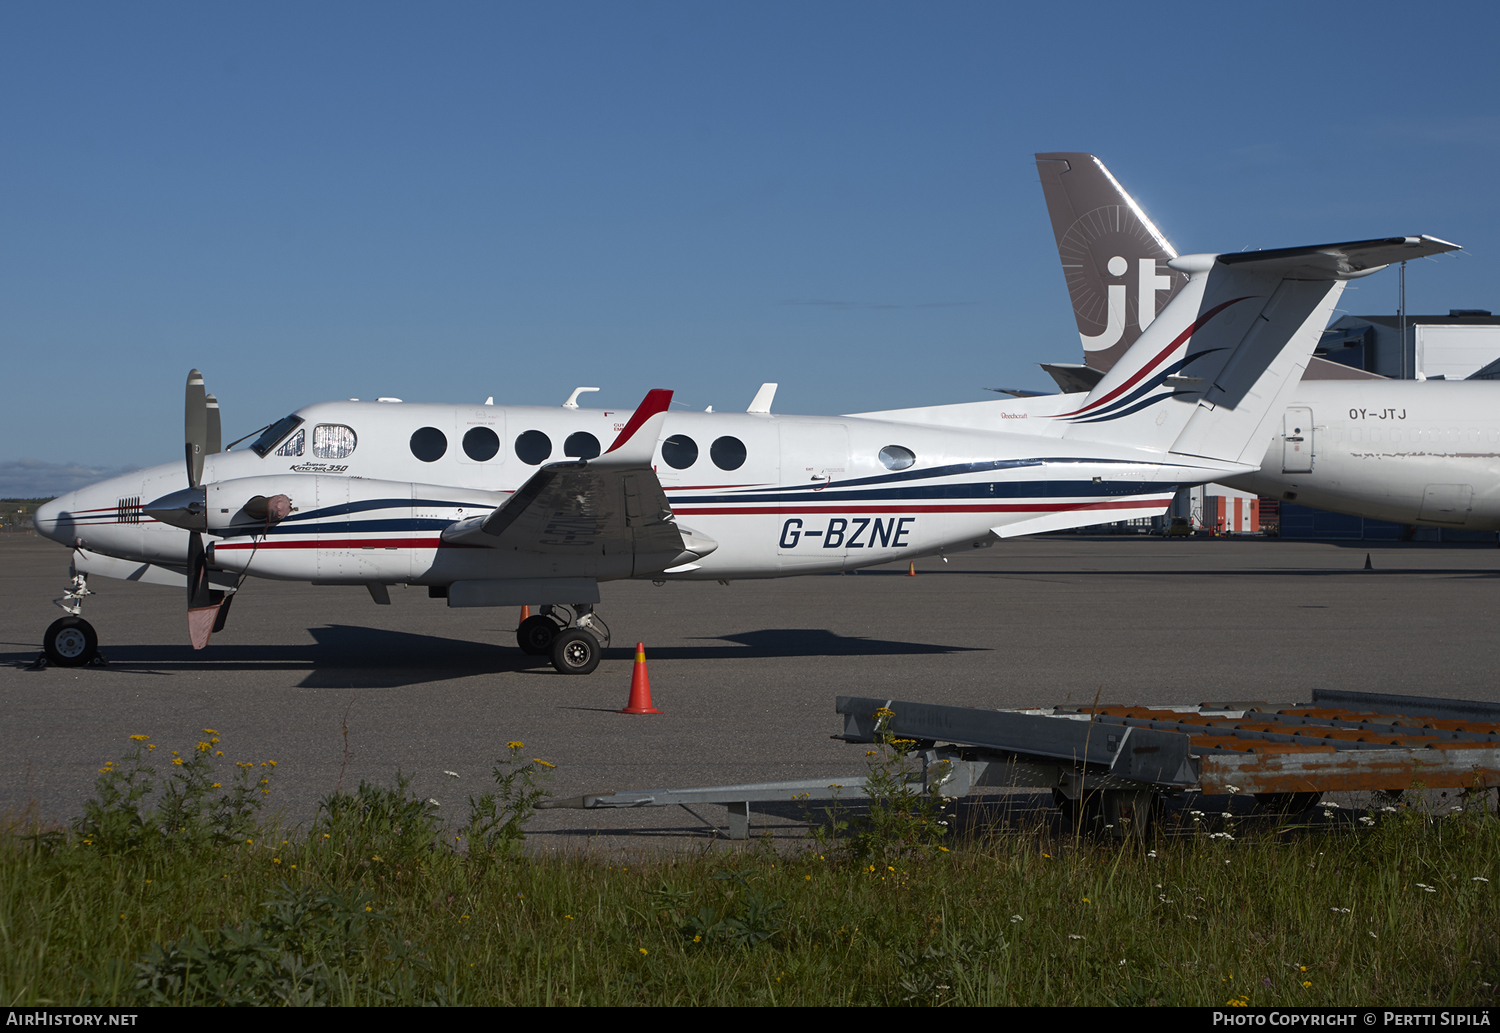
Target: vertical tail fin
1113	256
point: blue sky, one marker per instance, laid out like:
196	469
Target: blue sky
447	201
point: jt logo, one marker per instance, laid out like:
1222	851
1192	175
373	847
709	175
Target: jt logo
1146	285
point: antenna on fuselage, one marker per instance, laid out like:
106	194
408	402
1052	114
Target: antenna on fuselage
572	402
763	397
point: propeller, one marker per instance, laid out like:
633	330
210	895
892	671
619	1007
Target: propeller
187	508
207	607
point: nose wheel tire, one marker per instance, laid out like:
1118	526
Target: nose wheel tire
535	635
575	651
70	642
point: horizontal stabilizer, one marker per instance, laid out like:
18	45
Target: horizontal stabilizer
1073	377
1084	516
1345	261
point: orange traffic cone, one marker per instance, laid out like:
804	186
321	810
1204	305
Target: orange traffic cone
640	686
525	615
911	571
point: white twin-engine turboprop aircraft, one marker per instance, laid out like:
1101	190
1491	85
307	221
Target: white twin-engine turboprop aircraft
508	505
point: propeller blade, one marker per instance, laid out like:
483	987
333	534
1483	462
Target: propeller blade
195	427
203	601
215	440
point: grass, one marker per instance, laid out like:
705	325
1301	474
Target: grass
200	902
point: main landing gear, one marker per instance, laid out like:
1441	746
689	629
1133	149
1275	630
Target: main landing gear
71	641
573	636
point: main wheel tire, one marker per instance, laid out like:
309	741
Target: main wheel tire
535	635
70	642
575	651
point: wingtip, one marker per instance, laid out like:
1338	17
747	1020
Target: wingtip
657	401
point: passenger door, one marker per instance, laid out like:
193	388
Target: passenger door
1297	440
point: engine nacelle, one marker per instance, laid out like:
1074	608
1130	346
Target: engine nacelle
234	507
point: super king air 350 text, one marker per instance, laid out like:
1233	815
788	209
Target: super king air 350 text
492	505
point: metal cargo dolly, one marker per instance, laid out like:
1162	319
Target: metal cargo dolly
1111	765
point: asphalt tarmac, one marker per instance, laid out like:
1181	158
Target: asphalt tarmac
745	675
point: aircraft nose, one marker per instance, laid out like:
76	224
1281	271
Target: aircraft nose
48	519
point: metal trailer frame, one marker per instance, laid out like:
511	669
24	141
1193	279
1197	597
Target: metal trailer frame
1113	764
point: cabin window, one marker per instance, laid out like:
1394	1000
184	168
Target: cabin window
727	453
581	445
293	446
273	435
481	444
533	448
895	457
680	451
333	441
429	444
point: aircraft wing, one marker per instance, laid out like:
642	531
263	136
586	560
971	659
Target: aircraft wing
612	506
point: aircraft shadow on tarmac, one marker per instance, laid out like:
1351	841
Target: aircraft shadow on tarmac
344	656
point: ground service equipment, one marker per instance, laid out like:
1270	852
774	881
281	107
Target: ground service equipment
1112	768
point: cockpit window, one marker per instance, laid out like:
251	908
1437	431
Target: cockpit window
333	441
273	435
294	444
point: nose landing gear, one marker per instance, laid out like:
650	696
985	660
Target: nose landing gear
71	641
573	636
